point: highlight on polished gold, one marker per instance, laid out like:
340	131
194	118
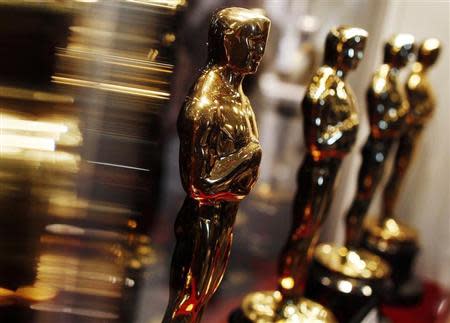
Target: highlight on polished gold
422	105
355	264
263	307
347	269
387	236
330	127
388	108
419	94
219	160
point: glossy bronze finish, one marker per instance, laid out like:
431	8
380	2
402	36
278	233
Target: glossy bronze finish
422	105
219	160
330	127
388	109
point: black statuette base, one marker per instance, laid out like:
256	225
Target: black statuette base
348	307
404	288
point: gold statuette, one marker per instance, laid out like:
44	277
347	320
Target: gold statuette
219	160
330	128
346	278
388	237
387	109
422	105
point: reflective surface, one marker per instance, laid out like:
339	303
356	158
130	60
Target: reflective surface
422	105
330	127
262	307
355	264
397	243
388	232
346	281
219	160
387	109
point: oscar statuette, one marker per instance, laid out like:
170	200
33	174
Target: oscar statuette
347	279
330	128
219	160
395	241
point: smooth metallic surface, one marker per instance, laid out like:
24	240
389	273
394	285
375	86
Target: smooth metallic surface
330	127
387	109
262	307
219	160
385	234
422	104
351	263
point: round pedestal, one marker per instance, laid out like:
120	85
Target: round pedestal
265	307
347	282
398	245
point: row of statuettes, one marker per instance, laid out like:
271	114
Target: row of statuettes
220	156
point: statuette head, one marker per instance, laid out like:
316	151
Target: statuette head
429	52
399	50
237	38
344	47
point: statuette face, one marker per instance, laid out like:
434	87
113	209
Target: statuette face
429	52
237	37
344	47
399	50
219	160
